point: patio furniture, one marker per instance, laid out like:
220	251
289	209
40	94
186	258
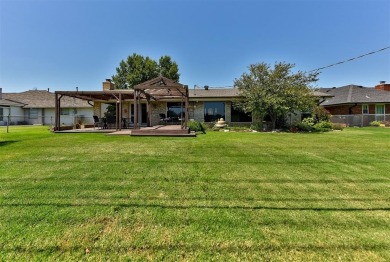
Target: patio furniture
96	121
105	126
125	123
164	119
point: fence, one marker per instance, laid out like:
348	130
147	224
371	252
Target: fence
359	120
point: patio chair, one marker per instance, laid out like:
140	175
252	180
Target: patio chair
96	121
164	119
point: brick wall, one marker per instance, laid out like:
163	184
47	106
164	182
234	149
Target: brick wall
96	109
344	109
385	87
108	85
157	109
356	110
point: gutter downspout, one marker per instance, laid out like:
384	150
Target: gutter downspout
320	102
350	109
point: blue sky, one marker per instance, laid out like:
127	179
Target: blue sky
64	44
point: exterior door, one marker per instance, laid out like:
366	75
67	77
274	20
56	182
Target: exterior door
142	114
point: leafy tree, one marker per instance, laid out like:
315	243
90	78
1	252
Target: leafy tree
137	69
168	68
274	91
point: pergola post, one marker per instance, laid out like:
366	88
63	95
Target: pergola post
120	112
149	112
181	114
57	118
55	112
186	114
135	109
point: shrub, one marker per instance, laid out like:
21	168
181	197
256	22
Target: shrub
386	123
338	126
320	114
196	126
306	125
323	126
375	123
257	126
310	125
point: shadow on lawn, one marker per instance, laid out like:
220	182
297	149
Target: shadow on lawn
6	143
234	247
135	205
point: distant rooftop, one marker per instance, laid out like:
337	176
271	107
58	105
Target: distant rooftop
355	94
42	99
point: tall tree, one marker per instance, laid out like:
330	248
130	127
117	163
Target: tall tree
274	91
137	69
169	68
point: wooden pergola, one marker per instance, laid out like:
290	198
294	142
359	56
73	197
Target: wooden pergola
157	89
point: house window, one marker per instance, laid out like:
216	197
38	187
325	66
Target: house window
1	114
365	109
240	116
379	109
175	109
64	111
379	112
213	111
33	113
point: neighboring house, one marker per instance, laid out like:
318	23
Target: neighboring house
38	107
357	105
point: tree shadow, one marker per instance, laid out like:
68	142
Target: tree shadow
6	143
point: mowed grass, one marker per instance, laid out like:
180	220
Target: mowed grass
220	196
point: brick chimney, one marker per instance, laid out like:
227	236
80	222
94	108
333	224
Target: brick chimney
383	86
108	85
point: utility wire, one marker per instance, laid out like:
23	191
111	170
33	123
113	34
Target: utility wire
373	52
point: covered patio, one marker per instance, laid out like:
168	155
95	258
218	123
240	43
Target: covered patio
150	92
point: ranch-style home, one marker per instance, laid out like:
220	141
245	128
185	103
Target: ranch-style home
357	105
162	101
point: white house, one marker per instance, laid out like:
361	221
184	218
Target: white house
37	107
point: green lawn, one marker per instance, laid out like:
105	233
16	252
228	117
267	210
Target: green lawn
220	196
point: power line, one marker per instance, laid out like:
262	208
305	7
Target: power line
373	52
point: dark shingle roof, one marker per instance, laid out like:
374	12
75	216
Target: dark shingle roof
355	94
43	99
231	92
321	94
213	93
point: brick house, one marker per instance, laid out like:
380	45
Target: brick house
357	105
